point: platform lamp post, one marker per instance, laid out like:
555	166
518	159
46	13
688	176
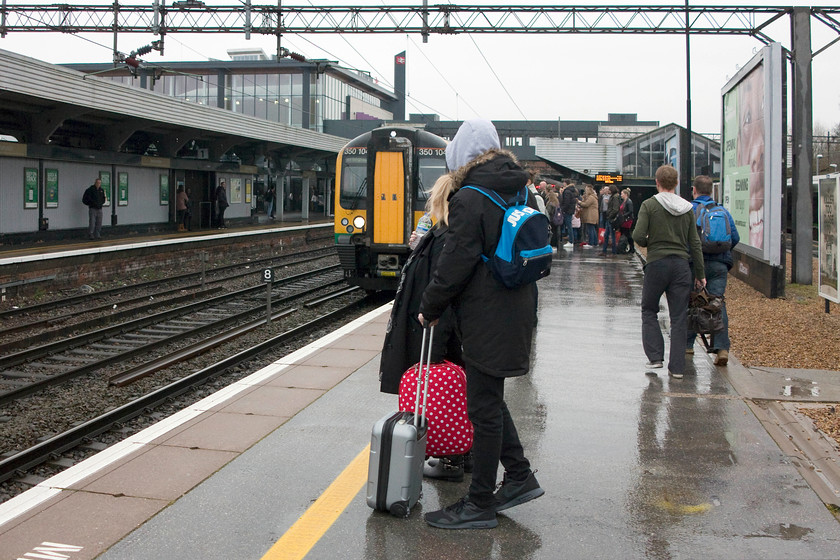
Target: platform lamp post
818	157
833	167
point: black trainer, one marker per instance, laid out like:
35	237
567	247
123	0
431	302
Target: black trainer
463	514
513	493
445	468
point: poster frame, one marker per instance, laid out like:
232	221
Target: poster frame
771	59
829	230
30	188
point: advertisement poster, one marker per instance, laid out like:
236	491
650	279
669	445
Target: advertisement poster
51	188
122	189
829	195
248	191
105	177
30	187
744	126
236	190
164	190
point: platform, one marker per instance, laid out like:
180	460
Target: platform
634	465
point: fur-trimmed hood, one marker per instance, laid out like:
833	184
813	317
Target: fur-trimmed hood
482	169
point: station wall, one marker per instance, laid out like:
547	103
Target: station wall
137	194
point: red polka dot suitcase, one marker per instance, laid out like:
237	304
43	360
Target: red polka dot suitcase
450	430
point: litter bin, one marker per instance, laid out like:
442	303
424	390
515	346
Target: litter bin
44	224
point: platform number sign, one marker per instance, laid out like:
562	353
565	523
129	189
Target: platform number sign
268	275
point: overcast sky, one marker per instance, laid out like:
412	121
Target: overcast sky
497	76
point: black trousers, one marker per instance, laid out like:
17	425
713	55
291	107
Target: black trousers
495	437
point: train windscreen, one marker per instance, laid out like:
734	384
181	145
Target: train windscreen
430	169
353	182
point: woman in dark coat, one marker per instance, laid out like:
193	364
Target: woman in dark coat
403	336
496	324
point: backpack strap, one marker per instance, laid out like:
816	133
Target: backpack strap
519	198
495	197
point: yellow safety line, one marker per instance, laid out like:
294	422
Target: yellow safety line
311	526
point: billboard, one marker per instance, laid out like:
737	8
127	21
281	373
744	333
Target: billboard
752	164
829	197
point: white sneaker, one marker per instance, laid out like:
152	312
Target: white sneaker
567	245
652	365
587	246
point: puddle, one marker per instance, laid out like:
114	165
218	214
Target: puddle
800	388
784	531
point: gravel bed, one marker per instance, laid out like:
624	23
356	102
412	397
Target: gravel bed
790	332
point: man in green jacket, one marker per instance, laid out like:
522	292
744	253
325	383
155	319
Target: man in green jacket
666	227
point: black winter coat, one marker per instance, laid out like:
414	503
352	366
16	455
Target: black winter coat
404	335
93	197
496	323
613	209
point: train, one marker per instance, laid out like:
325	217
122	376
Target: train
383	177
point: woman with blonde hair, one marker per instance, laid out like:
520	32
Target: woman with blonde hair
404	333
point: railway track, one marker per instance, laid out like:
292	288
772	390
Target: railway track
19	465
117	304
31	370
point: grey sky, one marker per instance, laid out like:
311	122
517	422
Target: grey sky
546	76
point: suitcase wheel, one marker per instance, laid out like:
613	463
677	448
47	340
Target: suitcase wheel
399	509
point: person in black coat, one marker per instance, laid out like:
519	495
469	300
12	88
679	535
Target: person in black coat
496	324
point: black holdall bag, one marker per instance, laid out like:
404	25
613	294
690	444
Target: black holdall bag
705	315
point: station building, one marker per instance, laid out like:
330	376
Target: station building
256	122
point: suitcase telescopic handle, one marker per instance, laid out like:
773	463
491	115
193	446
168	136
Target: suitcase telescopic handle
425	353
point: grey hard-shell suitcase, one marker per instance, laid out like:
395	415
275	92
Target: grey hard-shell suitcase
398	451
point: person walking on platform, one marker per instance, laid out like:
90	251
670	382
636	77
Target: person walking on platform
589	217
628	214
181	206
667	228
269	199
613	208
717	267
404	334
568	203
221	205
496	324
94	199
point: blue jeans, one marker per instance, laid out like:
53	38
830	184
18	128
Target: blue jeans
591	234
567	226
609	237
716	274
671	276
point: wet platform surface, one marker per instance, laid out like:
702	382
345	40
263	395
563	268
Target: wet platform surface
634	466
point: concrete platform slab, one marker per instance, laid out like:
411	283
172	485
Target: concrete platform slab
106	517
151	475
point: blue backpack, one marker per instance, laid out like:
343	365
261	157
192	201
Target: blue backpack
713	227
522	254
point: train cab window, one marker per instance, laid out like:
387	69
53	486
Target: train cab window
430	169
354	182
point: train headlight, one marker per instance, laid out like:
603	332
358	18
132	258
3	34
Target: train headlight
359	222
344	221
350	229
